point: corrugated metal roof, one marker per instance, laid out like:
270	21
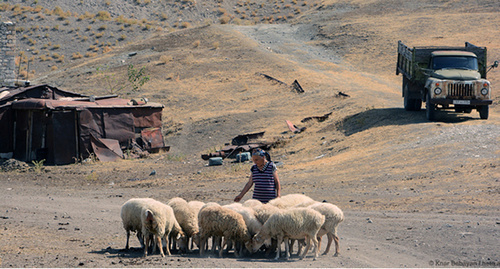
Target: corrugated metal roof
70	104
7	93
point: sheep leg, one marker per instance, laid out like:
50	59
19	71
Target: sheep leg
140	238
287	249
203	243
166	243
300	245
337	249
316	247
223	245
279	241
158	239
146	246
308	245
271	248
330	239
128	236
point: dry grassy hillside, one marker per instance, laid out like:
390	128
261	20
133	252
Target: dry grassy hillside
53	34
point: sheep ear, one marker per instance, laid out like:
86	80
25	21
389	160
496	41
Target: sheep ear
149	215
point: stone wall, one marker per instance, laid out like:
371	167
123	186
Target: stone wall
7	53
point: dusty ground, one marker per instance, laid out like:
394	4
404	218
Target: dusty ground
415	193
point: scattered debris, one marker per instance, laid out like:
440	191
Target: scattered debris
215	161
318	118
243	139
12	165
294	128
341	94
240	143
295	85
273	79
152	173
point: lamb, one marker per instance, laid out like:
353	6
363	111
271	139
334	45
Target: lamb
290	200
294	223
131	218
333	217
215	220
187	218
158	220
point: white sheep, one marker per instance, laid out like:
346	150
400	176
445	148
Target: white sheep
196	205
264	211
215	220
187	218
333	217
158	220
252	203
293	223
248	214
290	200
216	240
131	218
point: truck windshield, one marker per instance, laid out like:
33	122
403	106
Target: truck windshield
454	62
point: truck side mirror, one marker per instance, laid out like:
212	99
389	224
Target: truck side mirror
494	65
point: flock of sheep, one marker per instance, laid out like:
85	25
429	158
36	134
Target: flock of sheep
248	225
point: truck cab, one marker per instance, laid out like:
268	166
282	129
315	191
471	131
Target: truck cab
455	81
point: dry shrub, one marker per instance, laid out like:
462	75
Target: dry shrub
224	19
76	55
196	43
165	59
185	24
103	16
188	60
90	54
216	44
106	49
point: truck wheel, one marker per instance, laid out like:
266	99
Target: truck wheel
430	109
410	104
483	112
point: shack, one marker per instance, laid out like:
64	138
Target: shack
45	123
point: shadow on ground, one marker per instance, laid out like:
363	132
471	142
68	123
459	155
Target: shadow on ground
134	253
396	116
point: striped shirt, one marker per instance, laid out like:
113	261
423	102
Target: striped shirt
265	187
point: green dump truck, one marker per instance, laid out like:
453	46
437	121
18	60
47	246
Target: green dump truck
445	78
